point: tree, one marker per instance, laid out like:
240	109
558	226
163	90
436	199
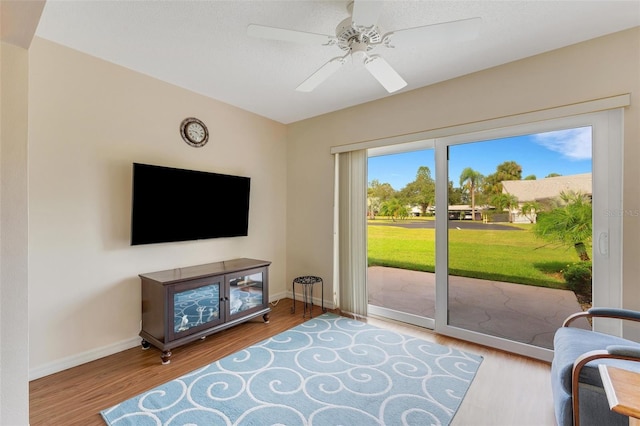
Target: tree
382	191
530	209
455	195
470	179
373	207
505	201
552	175
569	224
394	209
421	191
530	177
509	170
377	193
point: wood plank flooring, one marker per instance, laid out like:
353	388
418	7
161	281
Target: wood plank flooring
508	389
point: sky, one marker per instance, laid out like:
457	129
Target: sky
566	152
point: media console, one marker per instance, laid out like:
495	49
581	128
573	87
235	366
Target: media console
186	304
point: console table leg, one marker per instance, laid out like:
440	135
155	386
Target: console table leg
165	357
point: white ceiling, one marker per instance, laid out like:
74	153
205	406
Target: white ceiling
202	45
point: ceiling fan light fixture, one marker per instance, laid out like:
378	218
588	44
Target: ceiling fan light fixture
359	51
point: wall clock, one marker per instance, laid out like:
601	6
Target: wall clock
194	132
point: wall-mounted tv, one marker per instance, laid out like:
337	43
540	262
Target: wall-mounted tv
172	204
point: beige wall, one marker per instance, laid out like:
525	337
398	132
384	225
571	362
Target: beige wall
591	70
14	331
89	121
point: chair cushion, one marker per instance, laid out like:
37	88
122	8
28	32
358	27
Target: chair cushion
570	343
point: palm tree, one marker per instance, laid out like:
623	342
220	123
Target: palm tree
529	209
394	209
470	179
568	225
505	201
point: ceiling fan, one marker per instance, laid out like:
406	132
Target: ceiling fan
358	34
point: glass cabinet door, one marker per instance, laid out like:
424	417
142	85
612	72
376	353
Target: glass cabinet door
247	292
195	308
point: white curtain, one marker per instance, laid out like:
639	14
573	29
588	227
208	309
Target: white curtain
351	246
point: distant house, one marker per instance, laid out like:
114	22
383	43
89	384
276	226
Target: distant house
463	212
544	191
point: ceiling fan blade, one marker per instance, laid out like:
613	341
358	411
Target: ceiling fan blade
321	75
384	73
366	12
454	31
283	34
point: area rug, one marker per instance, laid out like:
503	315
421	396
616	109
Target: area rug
330	370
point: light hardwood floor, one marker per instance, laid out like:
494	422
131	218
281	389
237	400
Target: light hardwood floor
508	389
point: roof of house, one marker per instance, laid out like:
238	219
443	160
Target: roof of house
540	189
461	207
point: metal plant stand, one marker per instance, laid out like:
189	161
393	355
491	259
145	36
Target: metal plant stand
307	283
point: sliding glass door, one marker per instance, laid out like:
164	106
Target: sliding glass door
401	233
475	262
525	234
510	245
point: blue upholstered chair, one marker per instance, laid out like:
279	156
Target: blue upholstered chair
578	394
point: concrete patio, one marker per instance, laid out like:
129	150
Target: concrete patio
517	312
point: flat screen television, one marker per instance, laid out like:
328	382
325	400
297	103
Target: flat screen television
172	204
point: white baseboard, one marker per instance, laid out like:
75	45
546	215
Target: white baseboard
82	358
273	298
317	301
92	355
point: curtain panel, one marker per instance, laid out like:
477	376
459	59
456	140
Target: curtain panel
351	259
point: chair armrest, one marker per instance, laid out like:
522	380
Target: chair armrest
624	314
627	353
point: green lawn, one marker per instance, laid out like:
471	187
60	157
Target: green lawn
511	256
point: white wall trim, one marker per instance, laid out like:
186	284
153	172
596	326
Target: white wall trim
94	354
274	298
317	300
82	358
596	105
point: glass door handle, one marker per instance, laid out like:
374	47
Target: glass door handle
603	243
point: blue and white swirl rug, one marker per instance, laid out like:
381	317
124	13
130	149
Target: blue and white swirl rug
330	370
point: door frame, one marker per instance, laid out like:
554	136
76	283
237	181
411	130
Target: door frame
418	145
610	225
607	144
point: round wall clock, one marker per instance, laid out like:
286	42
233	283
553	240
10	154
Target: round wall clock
194	132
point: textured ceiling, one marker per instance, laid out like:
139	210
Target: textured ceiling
203	46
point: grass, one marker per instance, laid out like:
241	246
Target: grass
511	256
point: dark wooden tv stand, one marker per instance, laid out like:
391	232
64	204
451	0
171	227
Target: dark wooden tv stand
186	304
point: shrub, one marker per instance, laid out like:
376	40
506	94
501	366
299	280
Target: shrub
578	277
